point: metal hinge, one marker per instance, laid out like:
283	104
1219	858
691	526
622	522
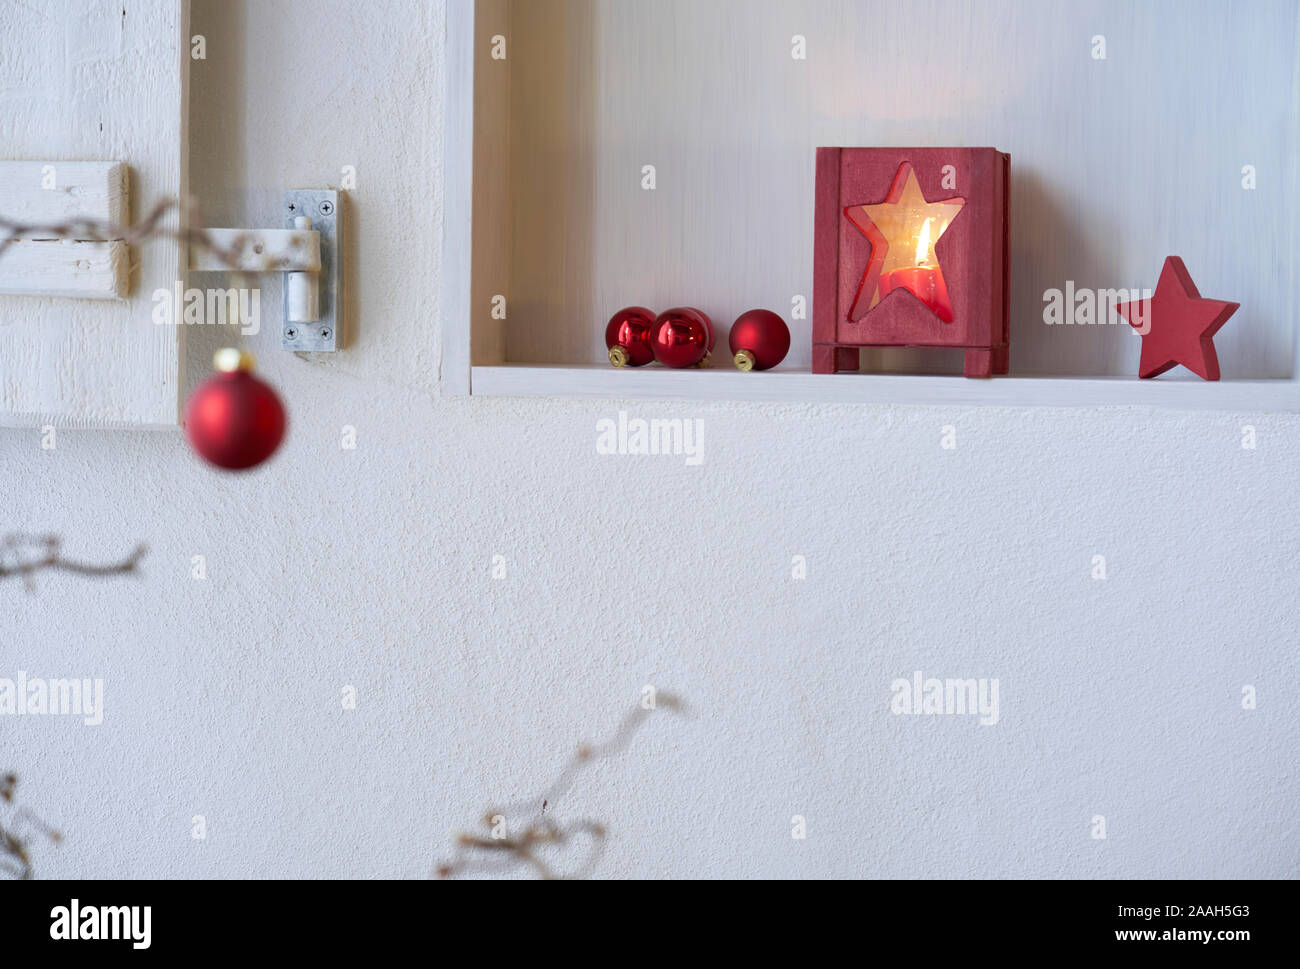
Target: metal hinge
308	251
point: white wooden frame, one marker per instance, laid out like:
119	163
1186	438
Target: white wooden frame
465	45
104	363
458	199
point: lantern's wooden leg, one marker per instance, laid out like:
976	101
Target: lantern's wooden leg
830	359
1001	359
979	363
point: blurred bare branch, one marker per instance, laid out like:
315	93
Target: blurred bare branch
497	852
17	828
24	555
240	252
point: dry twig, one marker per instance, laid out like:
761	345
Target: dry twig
239	253
15	859
24	555
498	852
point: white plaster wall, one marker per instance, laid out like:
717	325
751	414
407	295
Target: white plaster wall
372	568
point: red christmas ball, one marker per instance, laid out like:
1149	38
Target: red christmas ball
234	420
681	337
628	337
759	340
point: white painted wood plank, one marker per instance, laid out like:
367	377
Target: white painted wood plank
1293	150
86	79
801	386
80	270
46	193
51	192
458	201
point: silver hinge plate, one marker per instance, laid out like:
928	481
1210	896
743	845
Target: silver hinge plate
325	209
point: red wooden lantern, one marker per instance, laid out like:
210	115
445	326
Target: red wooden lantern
911	251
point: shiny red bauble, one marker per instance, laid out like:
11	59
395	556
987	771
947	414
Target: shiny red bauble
234	420
759	340
682	337
628	337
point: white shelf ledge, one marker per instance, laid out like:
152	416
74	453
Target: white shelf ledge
800	386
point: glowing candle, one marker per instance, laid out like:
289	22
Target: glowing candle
923	280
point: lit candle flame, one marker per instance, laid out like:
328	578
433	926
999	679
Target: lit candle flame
923	244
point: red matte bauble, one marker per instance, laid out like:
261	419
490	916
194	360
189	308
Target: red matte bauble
234	420
627	337
681	337
759	340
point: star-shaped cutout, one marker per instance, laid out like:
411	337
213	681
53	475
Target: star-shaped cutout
1177	325
903	231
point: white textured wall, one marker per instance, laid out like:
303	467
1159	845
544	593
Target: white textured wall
371	568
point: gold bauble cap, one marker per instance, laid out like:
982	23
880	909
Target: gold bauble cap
233	360
744	360
618	356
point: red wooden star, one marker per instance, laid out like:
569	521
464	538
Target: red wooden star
1177	325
